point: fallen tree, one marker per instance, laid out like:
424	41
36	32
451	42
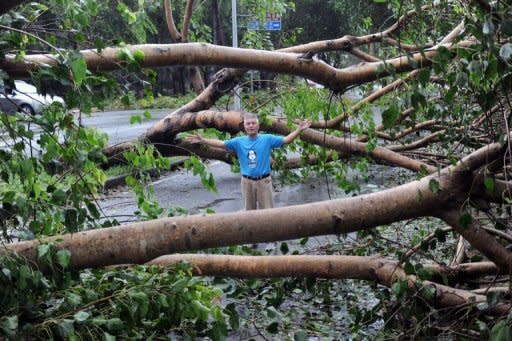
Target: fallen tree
141	242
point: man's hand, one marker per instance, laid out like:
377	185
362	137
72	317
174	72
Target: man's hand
194	139
304	124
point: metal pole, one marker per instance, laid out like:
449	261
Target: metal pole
237	104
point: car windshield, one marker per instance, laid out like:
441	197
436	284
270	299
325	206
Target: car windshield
25	87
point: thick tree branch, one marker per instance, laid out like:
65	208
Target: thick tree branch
479	239
175	35
186	20
165	130
141	242
380	270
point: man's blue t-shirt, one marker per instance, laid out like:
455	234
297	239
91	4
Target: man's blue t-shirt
254	154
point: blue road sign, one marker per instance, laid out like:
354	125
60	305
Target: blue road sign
273	25
270	25
253	25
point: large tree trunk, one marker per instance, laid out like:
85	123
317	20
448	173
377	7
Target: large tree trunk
141	242
206	54
379	270
219	37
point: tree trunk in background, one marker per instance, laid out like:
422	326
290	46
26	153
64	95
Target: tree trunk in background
6	5
219	38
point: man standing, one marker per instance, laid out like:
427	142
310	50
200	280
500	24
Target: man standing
253	152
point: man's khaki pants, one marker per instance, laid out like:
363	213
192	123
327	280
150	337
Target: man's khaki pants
257	193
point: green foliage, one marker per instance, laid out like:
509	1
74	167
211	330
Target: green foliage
135	303
49	194
199	168
142	159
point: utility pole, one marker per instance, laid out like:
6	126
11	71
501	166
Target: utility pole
237	105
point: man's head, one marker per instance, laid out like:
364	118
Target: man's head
251	124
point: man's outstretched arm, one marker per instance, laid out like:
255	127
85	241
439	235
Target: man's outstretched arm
293	135
210	142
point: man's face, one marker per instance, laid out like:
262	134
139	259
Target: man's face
251	126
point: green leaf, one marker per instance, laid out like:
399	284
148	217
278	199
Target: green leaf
200	310
71	219
27	169
79	69
272	328
108	337
429	291
73	299
501	332
424	76
300	335
81	316
139	56
115	324
135	119
59	197
493	298
234	317
489	185
440	234
409	268
400	288
389	116
10	323
465	220
433	184
42	250
284	248
63	258
7	273
65	328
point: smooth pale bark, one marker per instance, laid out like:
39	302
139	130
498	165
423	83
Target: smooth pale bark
463	271
376	269
207	54
194	72
186	20
380	270
171	26
460	252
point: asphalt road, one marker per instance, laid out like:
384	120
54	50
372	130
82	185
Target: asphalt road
117	123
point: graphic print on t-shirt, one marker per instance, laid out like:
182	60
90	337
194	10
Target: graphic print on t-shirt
251	156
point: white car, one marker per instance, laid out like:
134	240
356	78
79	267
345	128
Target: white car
24	97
